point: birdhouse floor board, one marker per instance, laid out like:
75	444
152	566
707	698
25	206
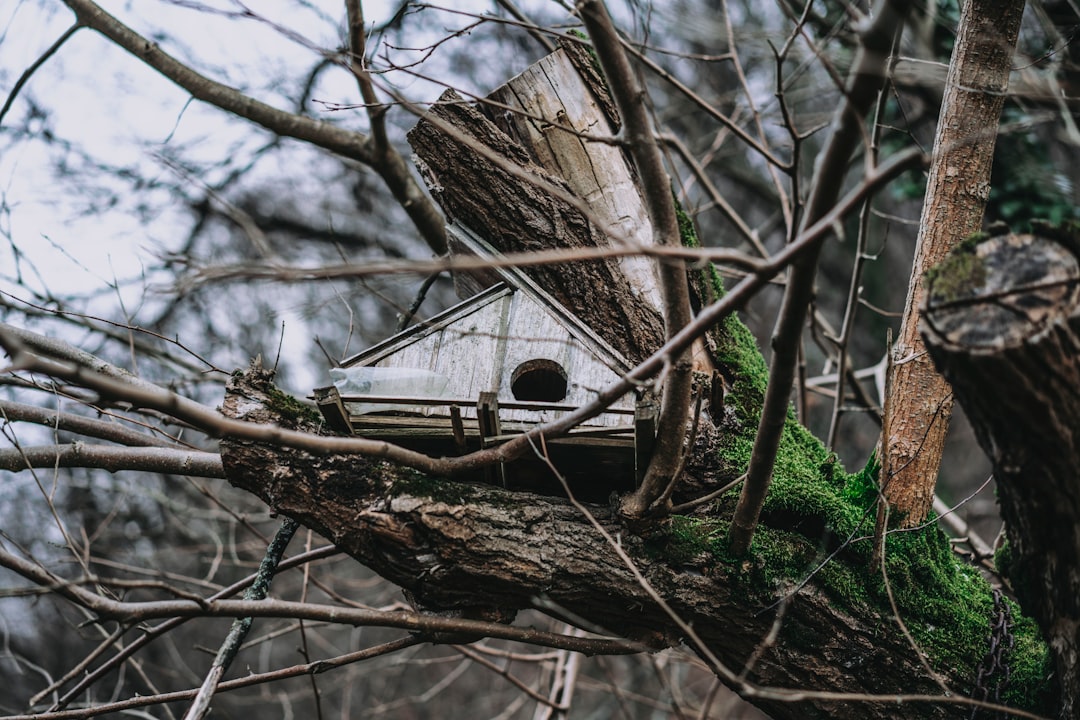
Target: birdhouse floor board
445	403
390	432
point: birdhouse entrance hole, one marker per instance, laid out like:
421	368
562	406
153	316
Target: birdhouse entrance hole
539	380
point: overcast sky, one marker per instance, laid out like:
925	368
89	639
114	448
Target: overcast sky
89	231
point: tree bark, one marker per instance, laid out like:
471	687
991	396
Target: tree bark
919	402
1003	325
488	552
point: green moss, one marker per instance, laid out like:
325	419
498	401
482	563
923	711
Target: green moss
735	352
819	520
687	232
1030	666
592	51
945	603
1003	559
969	243
417	484
291	408
959	275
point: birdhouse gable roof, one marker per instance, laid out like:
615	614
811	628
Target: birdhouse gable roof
478	311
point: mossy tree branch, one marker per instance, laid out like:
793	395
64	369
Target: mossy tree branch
487	552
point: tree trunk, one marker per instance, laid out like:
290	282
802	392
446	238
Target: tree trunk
919	404
1003	325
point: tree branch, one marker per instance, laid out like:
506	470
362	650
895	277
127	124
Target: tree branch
629	97
230	646
476	548
114	459
920	401
29	72
135	612
311	668
867	76
11	411
346	143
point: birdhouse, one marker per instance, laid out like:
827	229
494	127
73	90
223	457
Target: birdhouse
496	365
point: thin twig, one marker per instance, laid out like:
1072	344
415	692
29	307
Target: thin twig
230	646
629	97
861	257
387	162
866	77
29	72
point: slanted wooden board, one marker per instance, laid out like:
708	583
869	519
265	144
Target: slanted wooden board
515	215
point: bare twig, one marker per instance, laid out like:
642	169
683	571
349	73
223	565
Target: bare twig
172	461
230	646
855	284
139	701
29	72
554	256
346	143
11	411
148	635
130	612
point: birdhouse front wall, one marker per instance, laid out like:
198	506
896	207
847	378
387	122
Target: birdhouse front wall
500	341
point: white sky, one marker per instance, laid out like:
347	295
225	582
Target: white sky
102	99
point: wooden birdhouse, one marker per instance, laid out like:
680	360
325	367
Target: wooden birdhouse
498	364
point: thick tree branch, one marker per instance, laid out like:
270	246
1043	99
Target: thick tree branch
1002	322
481	549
